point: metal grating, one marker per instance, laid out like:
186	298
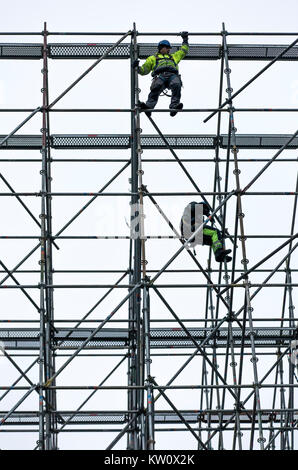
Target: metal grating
88	51
160	338
90	141
179	141
196	51
269	141
273	51
21	51
122	51
30	418
21	142
123	141
255	52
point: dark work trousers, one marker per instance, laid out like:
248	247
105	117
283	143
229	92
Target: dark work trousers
161	82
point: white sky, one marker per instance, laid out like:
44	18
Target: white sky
108	86
197	16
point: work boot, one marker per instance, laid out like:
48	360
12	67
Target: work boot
179	106
221	255
143	107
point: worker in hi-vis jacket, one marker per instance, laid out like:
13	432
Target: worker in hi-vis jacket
165	72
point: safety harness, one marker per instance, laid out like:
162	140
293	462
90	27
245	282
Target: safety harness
170	65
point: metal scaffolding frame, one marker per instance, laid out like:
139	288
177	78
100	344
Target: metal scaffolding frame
231	411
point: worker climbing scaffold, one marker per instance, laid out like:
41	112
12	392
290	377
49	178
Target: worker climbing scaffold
165	73
191	221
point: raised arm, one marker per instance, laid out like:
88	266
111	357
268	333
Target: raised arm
181	53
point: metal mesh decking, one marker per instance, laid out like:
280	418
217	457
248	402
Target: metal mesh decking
123	141
122	51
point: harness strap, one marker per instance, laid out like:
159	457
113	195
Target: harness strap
170	58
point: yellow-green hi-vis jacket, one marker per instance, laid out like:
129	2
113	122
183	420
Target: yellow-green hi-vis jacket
163	63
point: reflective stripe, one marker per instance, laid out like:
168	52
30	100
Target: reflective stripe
216	243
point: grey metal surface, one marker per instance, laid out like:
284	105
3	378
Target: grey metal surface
123	141
108	338
95	50
30	418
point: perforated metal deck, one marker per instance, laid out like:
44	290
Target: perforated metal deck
30	418
107	338
123	141
122	51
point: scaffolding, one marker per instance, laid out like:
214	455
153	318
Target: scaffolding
241	392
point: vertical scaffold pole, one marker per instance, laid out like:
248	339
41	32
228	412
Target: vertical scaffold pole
150	398
42	310
291	307
134	435
49	369
247	300
209	297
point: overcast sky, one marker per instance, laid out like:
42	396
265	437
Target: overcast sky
109	86
74	15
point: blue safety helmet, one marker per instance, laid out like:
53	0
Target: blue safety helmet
164	42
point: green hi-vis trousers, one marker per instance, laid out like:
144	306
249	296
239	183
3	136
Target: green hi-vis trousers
212	237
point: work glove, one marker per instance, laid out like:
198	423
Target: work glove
184	36
135	63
